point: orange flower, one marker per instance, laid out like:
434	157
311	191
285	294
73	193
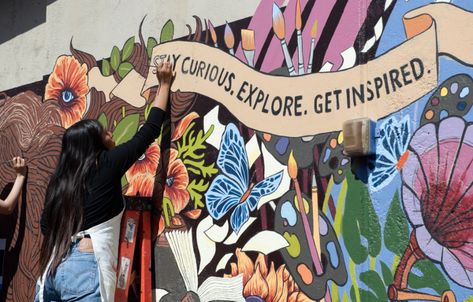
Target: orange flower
268	285
140	176
67	85
177	180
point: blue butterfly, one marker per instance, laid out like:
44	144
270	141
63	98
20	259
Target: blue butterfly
390	151
232	189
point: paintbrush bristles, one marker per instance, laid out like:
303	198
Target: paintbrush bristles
213	34
298	15
278	22
229	37
313	32
248	39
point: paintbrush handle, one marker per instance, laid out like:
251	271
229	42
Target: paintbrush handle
290	66
300	54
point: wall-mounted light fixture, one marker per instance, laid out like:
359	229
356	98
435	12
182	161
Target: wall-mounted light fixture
359	137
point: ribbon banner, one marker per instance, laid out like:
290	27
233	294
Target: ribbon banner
321	102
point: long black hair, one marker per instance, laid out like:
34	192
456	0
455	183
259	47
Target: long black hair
82	144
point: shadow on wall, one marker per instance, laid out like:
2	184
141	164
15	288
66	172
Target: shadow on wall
19	16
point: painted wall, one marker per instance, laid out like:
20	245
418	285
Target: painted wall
254	198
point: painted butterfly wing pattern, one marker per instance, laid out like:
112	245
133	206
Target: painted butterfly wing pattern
395	136
232	159
228	191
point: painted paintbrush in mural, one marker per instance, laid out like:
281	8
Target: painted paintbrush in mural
313	36
213	34
229	38
280	32
300	49
248	45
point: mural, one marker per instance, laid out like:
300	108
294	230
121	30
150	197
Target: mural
254	197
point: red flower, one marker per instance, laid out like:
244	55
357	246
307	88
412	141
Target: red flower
140	176
67	85
177	180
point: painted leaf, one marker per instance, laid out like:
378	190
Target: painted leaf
126	128
106	67
426	275
396	229
103	120
196	190
115	58
150	45
387	274
124	181
183	125
128	48
124	69
167	33
360	225
376	286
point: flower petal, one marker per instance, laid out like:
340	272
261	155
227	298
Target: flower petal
412	206
455	269
182	125
193	214
428	245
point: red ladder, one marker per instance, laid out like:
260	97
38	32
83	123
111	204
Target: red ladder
135	229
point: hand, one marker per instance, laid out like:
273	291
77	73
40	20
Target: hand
164	74
19	166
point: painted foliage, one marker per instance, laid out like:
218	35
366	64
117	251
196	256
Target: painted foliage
244	213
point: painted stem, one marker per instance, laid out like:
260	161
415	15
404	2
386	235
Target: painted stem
409	258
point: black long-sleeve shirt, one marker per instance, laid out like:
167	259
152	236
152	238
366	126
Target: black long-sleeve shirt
103	199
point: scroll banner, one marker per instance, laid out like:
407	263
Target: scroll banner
321	102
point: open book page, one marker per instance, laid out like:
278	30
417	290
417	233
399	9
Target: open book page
181	246
213	288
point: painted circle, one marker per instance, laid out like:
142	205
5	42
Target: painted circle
323	227
340	138
435	101
305	273
429	114
461	105
267	137
443	114
465	91
333	143
443	91
454	87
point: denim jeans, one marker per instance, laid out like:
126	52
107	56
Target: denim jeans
76	279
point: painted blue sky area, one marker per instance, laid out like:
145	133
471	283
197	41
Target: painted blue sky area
394	35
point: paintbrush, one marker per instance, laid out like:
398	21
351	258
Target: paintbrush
313	35
279	31
300	49
213	34
248	45
229	39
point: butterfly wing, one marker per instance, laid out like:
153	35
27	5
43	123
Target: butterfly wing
222	195
264	187
395	136
240	215
232	158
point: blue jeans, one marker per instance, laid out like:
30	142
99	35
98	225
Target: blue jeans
76	279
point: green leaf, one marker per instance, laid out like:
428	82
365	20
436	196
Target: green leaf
167	32
115	58
128	48
150	45
469	299
201	168
103	120
126	128
396	229
430	277
375	284
124	181
387	274
196	190
105	67
360	220
124	69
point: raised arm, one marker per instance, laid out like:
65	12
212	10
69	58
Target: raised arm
124	155
8	205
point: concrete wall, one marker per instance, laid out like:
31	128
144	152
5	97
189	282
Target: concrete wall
296	219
